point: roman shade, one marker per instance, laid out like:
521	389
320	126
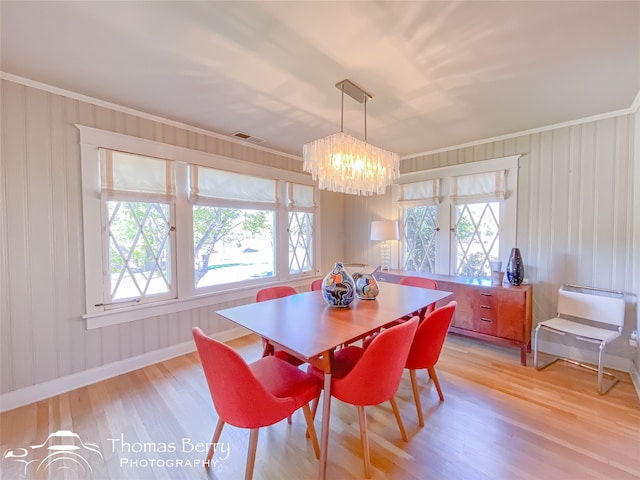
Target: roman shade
219	187
128	176
479	187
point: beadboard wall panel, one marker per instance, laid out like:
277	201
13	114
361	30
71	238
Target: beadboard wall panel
43	336
635	214
576	217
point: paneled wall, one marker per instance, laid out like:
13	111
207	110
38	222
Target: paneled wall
575	224
575	208
43	337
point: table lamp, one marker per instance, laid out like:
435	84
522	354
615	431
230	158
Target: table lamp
384	230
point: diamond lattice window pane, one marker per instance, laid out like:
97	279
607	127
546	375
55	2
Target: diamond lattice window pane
477	238
139	249
419	245
300	242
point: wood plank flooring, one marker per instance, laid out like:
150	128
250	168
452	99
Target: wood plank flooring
499	421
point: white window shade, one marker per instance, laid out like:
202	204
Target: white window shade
125	174
423	192
300	196
479	186
209	183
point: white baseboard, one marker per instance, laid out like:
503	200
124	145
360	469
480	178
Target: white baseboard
35	393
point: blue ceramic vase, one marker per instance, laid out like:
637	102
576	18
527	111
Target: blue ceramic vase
515	267
338	288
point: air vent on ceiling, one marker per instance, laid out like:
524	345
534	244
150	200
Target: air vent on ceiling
247	137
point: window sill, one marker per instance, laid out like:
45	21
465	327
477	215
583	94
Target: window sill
141	312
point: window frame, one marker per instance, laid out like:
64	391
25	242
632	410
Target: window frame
188	297
445	263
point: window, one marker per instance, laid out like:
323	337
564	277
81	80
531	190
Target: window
232	243
138	201
476	238
167	228
301	206
457	222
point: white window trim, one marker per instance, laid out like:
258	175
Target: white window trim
508	211
91	139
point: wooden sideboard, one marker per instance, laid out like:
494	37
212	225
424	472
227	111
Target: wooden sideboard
496	313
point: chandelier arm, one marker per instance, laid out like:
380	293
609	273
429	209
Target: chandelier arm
342	111
365	118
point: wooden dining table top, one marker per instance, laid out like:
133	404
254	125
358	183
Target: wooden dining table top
307	326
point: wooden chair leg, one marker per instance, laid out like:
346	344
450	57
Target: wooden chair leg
314	409
365	441
314	406
214	441
434	377
396	412
251	454
416	396
311	431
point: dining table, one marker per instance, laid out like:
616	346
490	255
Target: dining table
305	326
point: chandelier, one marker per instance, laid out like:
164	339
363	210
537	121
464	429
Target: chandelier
342	163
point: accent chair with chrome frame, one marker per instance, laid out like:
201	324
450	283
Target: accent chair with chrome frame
588	314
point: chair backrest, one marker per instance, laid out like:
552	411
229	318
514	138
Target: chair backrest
376	376
238	396
597	305
317	284
429	338
419	282
422	283
269	293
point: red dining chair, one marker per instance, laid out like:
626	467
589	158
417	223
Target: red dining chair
271	293
371	376
317	284
422	283
412	282
253	395
426	348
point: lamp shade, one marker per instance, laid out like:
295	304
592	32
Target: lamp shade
384	230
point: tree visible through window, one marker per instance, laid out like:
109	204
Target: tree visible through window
139	249
231	244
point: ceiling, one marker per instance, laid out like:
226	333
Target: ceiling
442	73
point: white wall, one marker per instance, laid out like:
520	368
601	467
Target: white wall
44	345
576	218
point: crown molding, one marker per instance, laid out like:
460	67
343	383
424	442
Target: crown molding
625	111
130	111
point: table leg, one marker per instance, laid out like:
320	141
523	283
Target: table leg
326	415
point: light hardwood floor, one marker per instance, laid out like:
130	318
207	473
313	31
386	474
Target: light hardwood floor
499	421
